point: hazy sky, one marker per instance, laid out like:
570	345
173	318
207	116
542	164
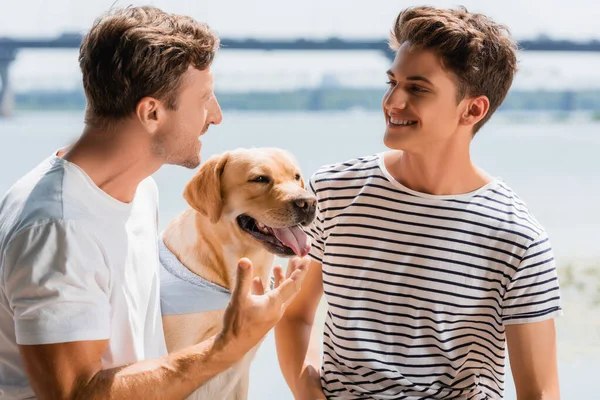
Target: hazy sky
309	18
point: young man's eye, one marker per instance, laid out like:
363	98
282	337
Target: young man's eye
391	83
418	89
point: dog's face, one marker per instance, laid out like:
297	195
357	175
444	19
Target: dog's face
262	191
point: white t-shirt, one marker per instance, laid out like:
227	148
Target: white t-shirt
76	264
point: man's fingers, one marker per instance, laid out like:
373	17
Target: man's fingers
278	275
257	286
288	289
294	264
243	280
291	267
298	277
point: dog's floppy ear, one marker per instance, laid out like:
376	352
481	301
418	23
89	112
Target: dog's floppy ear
203	192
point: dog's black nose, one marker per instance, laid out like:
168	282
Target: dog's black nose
307	207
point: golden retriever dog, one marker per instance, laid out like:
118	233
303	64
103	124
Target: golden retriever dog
243	203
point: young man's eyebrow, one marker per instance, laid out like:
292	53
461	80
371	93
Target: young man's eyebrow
411	78
419	78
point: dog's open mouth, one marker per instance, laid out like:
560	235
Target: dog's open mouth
281	241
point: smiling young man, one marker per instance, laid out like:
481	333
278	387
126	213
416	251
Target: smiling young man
429	265
80	310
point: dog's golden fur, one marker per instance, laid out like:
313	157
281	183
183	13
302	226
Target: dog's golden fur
264	184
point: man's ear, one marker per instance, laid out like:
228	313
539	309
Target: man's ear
203	192
477	109
150	113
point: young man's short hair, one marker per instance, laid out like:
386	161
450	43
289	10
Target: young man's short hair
477	51
135	52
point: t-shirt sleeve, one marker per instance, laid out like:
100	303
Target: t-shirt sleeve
56	280
533	293
315	230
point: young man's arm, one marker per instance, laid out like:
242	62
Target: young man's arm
298	347
532	353
531	301
74	370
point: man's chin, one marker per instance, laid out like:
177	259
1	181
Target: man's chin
192	162
393	142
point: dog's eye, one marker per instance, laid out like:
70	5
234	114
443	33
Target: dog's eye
297	177
260	179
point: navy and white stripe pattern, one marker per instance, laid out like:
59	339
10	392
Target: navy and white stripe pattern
420	287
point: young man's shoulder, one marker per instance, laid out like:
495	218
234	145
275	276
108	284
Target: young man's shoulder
502	198
355	168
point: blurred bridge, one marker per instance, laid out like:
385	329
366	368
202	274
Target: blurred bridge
9	47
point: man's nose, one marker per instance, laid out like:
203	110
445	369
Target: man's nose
216	116
396	99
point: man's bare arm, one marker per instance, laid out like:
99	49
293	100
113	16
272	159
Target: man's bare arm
532	353
73	371
298	348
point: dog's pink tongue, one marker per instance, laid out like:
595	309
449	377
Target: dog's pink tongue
294	238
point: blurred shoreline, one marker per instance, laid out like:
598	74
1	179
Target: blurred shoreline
334	98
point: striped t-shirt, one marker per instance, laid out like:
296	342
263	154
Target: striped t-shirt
420	287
